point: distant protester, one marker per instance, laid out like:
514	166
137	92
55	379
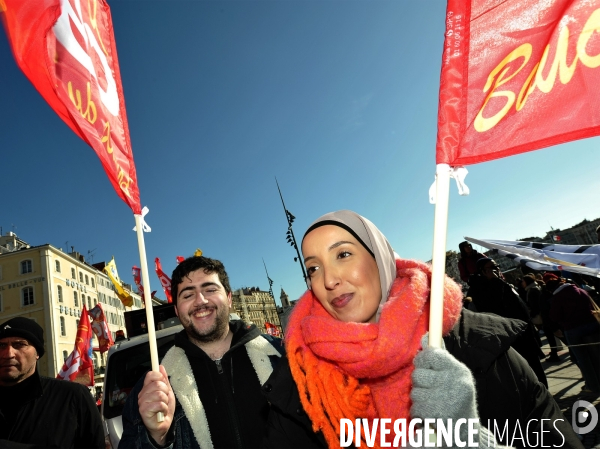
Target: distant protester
538	301
467	264
356	348
492	294
572	309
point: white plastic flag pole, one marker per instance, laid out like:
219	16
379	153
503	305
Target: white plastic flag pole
139	227
438	260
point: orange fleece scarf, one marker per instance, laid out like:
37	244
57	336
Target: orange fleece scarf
363	370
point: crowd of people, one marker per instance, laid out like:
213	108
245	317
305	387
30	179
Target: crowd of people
356	348
563	308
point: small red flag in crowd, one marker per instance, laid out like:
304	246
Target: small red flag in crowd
79	366
138	282
100	328
165	280
272	329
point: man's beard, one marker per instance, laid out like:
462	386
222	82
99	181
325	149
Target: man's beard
214	333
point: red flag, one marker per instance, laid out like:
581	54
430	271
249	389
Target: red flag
517	75
79	366
272	329
67	50
180	259
165	280
100	328
138	282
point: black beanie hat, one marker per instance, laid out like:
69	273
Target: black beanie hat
24	328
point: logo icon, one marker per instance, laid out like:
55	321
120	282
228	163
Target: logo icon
583	412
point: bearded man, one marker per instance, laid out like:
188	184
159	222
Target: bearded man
209	384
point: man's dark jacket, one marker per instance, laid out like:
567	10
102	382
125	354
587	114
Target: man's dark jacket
230	393
55	414
507	390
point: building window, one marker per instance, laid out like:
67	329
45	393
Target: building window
57	265
81	277
65	355
92	280
63	328
27	295
73	273
75	299
87	280
89	302
59	292
26	267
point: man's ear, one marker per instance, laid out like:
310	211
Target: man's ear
176	312
229	300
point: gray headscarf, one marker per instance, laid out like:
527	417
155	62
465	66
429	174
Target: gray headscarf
371	238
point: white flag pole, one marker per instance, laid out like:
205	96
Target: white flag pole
139	227
438	260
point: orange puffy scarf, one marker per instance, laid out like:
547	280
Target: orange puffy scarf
363	370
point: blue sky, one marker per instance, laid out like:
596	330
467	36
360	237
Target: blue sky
337	99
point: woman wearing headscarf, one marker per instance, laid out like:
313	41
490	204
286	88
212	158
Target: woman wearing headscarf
354	350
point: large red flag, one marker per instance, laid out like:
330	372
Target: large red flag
79	366
165	280
67	50
517	75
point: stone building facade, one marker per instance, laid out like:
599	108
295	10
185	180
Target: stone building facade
51	287
254	305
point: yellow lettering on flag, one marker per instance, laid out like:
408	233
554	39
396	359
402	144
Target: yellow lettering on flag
111	271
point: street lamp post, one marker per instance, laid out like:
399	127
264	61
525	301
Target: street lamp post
290	238
273	298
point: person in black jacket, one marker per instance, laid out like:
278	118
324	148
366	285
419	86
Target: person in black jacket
492	294
538	300
467	264
36	411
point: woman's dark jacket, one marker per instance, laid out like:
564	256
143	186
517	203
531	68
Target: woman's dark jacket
507	390
53	414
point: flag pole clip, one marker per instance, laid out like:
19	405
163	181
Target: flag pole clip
459	174
144	225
